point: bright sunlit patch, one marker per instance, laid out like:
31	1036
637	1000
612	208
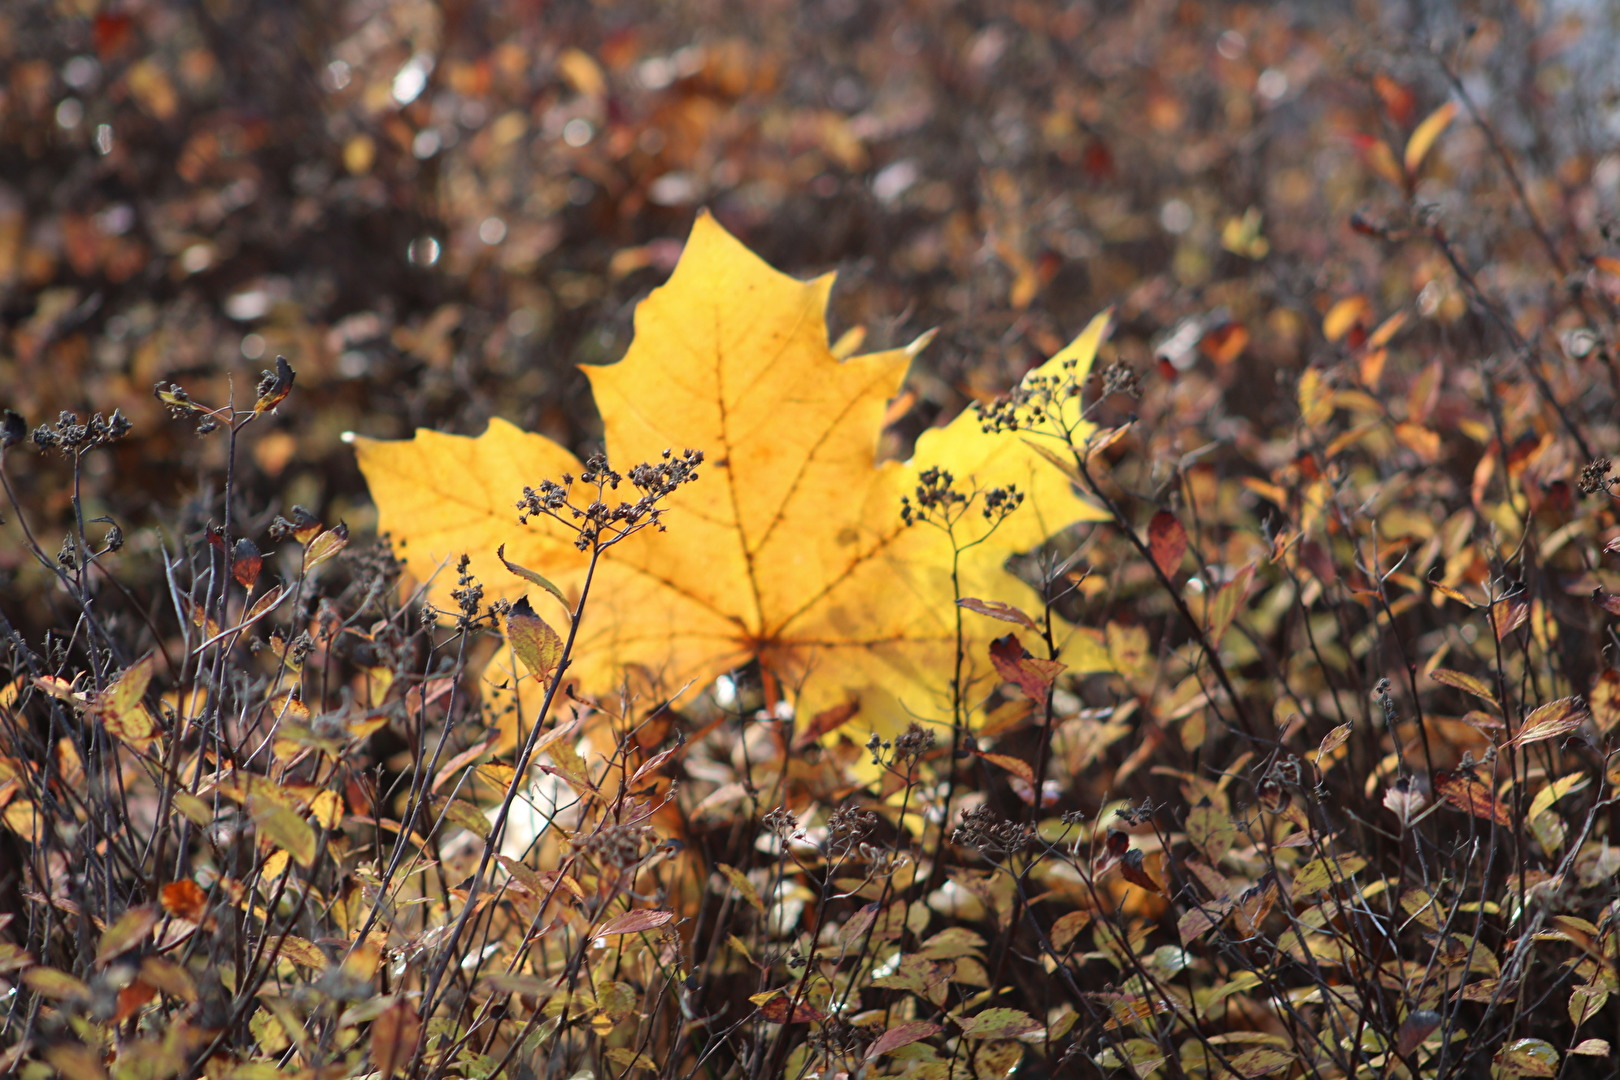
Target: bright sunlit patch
411	80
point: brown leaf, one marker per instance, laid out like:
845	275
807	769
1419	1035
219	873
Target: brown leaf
1017	767
1255	903
126	932
1117	843
1015	664
1468	794
1167	542
461	761
657	761
1508	615
393	1036
634	922
273	390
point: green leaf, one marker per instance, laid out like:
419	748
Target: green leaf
535	642
1318	874
1000	1024
532	577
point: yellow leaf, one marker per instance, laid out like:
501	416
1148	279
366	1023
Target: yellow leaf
443	496
1343	315
285	827
1315	406
790	549
1423	138
121	710
126	932
1241	236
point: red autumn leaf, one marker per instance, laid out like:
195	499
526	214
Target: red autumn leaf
777	1009
1015	664
1167	542
1468	794
1115	846
1134	871
246	562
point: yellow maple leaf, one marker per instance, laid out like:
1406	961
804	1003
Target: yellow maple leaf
790	550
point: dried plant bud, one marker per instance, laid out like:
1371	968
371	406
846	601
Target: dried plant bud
1597	476
782	823
848	826
1120	378
914	742
989	833
618	846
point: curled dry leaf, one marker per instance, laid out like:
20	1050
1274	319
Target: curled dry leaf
995	609
1405	801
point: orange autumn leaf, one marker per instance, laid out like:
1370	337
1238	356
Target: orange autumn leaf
790	550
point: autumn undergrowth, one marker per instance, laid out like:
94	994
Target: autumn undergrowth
1301	763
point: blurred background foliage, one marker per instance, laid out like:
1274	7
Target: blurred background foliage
436	210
